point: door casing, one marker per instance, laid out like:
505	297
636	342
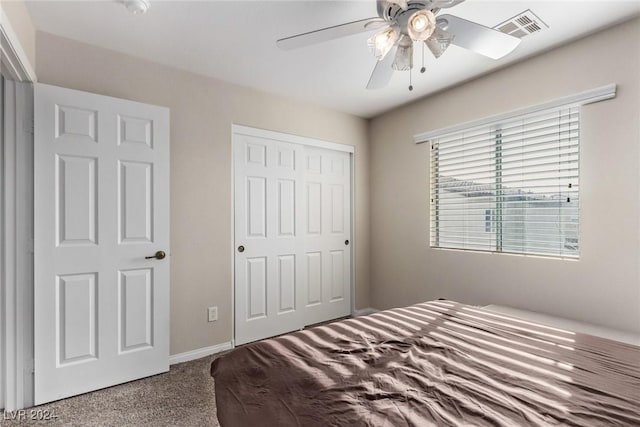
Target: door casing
16	371
15	65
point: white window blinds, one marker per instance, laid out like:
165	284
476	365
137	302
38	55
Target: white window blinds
509	186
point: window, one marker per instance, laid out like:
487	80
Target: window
509	185
488	220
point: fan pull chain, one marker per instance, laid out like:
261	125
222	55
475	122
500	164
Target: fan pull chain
423	69
410	83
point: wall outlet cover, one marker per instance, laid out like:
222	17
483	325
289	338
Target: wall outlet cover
212	314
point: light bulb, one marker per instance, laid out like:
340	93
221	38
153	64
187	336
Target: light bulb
421	25
382	42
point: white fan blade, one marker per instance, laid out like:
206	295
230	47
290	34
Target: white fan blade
381	5
330	33
478	38
383	71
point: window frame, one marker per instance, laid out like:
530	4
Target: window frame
572	101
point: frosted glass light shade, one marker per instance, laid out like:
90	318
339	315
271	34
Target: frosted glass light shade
404	56
421	25
439	41
382	42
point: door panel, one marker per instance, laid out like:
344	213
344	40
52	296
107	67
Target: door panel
292	218
77	311
337	208
314	208
76	123
76	199
257	207
314	278
135	196
337	275
135	308
287	283
287	207
101	206
257	288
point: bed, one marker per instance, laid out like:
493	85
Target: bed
438	363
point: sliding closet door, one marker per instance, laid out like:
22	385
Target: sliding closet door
269	256
292	234
326	234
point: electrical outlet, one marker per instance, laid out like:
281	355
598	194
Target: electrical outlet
213	314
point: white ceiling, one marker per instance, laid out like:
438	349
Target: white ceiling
235	41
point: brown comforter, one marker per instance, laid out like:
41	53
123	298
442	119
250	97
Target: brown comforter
438	363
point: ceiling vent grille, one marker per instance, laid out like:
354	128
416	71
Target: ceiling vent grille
522	24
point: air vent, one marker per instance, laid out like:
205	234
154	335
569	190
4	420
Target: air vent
522	24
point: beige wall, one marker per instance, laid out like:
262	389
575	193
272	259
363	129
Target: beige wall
202	111
21	23
603	287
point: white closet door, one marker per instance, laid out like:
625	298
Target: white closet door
292	224
268	262
326	234
101	207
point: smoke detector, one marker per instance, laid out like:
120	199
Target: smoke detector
137	7
521	25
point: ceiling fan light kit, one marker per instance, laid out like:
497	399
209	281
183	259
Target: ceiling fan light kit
404	55
407	22
421	25
440	41
382	42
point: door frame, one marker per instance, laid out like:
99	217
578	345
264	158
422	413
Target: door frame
15	63
237	129
16	250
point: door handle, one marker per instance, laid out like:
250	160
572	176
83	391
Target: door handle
157	255
240	248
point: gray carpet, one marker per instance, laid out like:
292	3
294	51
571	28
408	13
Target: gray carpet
184	396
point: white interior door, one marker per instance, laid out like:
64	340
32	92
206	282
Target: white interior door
292	231
101	207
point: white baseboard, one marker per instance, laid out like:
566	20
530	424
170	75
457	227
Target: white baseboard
199	353
365	311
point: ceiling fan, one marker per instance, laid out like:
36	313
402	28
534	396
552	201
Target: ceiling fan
405	22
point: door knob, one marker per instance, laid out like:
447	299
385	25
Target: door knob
240	248
346	242
157	255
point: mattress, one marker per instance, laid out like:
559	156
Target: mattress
438	363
